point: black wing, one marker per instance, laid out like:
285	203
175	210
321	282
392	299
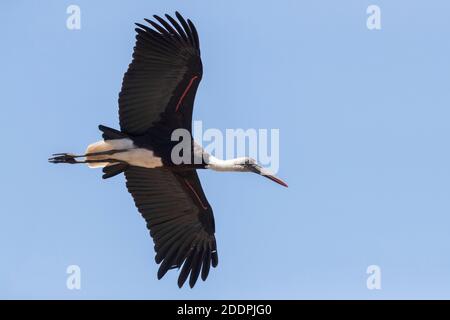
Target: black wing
160	85
179	218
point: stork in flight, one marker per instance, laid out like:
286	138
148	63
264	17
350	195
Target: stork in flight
157	97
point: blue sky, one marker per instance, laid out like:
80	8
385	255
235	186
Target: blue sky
364	127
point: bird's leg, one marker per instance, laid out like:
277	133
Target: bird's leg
71	158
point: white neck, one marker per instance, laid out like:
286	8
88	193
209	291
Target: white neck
225	165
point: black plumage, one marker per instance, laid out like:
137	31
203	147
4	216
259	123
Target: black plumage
181	228
157	97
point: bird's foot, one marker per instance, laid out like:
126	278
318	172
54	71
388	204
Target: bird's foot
63	158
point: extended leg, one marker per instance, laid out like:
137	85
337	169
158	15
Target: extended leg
71	158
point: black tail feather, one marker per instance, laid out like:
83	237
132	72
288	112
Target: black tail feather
110	133
109	171
114	170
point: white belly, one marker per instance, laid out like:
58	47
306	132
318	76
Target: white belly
134	156
139	158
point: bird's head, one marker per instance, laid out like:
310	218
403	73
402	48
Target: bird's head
251	165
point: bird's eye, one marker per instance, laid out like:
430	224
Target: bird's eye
249	162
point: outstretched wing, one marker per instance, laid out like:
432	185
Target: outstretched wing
179	218
160	85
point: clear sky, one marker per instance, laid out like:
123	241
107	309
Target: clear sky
364	128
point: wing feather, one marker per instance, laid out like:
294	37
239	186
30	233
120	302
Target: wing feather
166	58
181	227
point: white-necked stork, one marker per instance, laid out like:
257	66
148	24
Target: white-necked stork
157	97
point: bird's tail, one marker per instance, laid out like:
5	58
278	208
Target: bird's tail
112	168
110	133
94	151
101	153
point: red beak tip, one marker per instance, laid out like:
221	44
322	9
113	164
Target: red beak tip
284	184
279	181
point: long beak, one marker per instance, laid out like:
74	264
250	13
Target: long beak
261	171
